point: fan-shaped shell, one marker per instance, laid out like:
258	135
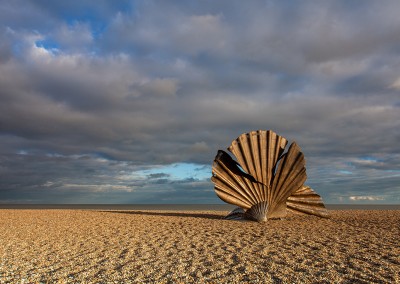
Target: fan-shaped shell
263	178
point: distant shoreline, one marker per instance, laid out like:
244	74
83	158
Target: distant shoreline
182	207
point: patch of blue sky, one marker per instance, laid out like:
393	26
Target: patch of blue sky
180	171
48	44
96	18
85	14
97	27
369	158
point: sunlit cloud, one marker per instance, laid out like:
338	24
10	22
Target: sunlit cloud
367	198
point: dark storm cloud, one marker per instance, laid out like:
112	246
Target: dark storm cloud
90	95
158	175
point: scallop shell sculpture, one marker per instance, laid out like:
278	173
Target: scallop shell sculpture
265	182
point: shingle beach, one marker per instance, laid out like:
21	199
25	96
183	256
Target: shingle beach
93	246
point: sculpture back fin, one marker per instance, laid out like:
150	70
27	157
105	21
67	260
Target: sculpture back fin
306	201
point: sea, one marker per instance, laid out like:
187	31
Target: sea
182	207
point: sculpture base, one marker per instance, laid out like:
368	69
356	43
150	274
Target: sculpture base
260	212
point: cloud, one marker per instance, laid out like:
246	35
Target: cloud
396	84
134	85
159	87
158	175
96	187
77	36
369	198
200	147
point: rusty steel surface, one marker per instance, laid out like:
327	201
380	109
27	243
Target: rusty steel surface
264	180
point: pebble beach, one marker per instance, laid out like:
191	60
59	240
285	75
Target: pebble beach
150	246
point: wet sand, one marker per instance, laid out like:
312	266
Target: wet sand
92	246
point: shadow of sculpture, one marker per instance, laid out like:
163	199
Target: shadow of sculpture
167	214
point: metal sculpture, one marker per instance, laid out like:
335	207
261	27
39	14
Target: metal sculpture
265	182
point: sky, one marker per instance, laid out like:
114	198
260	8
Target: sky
129	101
